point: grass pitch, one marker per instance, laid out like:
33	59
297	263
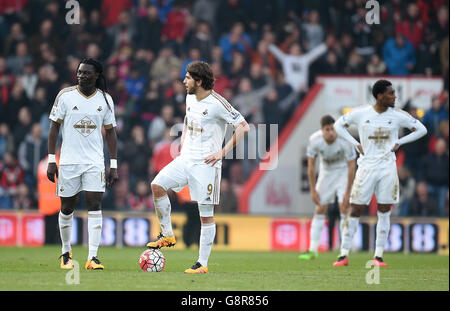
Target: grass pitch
32	269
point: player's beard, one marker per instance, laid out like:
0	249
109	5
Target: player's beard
192	90
390	103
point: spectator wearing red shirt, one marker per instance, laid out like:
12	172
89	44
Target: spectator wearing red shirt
142	200
176	24
110	10
412	27
12	6
12	175
222	82
6	83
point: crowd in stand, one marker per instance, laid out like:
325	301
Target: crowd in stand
265	55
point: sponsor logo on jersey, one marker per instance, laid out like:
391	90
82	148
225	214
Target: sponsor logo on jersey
85	126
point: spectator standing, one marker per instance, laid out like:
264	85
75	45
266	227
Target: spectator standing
29	79
23	127
15	36
422	203
313	30
296	64
123	33
399	55
407	189
376	65
202	40
237	39
141	200
164	63
6	141
31	151
137	154
110	10
412	26
434	171
17	61
11	175
228	203
435	115
149	29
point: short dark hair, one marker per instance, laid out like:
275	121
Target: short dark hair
380	87
326	120
202	71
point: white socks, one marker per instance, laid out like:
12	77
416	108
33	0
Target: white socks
383	227
343	223
316	229
207	235
65	230
162	208
347	235
95	232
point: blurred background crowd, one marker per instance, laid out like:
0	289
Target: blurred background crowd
145	46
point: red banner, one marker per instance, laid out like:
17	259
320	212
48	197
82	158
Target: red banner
22	230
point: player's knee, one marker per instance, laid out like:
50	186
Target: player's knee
383	208
206	212
321	209
94	204
68	205
66	210
158	191
356	211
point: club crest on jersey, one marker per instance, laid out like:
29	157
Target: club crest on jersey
85	126
205	113
99	108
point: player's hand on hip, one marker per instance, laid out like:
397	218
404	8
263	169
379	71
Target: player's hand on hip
346	200
214	158
360	149
395	148
52	170
112	177
315	197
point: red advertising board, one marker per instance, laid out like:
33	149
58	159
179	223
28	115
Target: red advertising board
18	229
8	230
33	230
285	234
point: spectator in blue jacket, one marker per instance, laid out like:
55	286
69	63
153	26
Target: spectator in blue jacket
237	39
434	116
399	55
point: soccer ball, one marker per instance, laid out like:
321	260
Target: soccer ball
152	260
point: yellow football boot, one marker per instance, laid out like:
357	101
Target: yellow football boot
162	241
94	264
196	269
66	261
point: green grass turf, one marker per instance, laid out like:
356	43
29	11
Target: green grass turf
38	269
